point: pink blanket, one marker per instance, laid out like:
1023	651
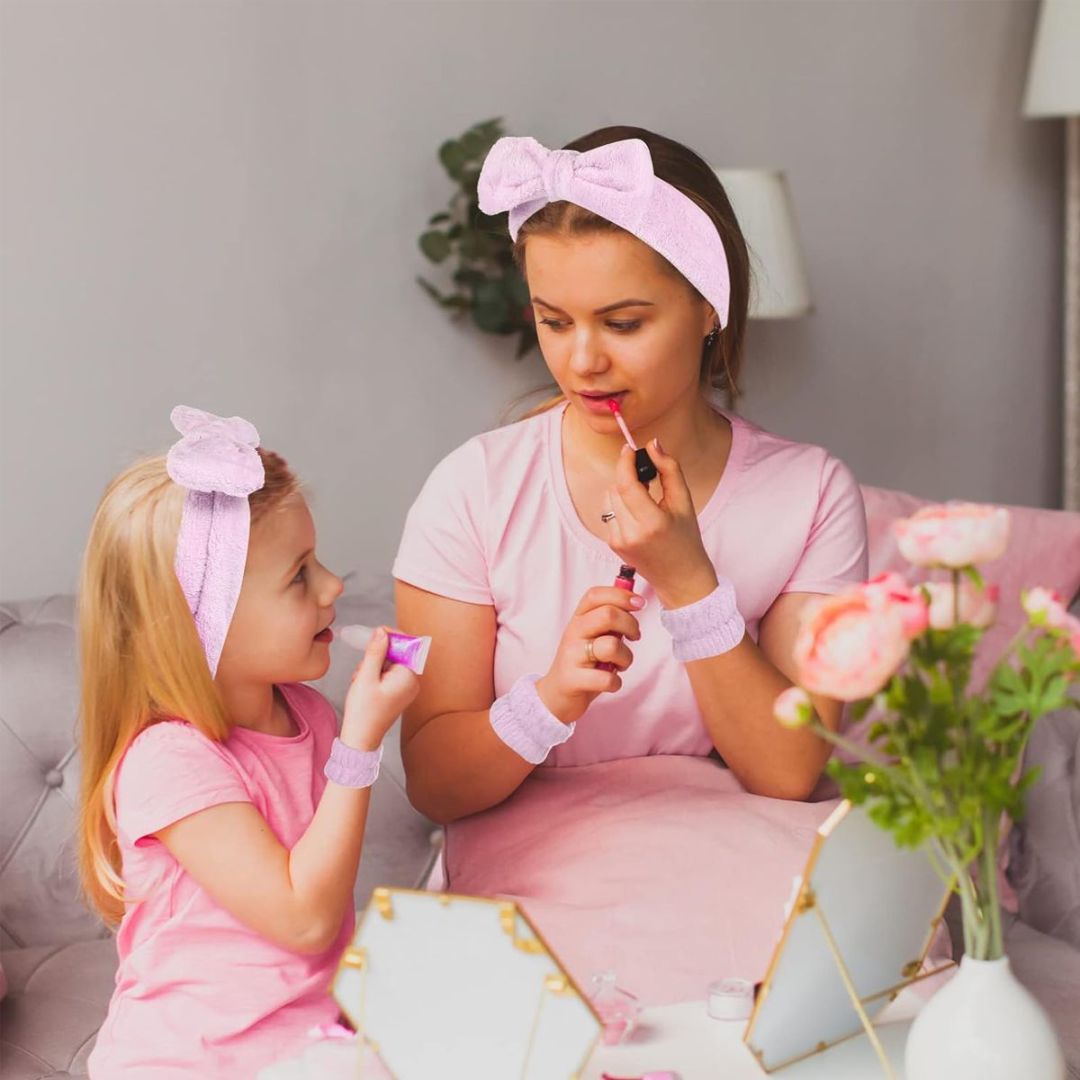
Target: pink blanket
662	869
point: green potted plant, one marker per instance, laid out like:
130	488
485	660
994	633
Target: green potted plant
476	250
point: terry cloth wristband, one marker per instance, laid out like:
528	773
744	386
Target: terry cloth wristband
350	767
523	722
708	627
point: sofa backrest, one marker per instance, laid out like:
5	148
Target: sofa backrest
40	900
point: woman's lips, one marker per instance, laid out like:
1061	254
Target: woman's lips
598	403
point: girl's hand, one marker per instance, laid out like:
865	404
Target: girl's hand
376	697
661	539
573	681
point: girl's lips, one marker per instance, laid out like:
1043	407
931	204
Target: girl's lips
326	635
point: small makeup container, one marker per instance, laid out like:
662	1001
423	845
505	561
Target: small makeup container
404	649
730	999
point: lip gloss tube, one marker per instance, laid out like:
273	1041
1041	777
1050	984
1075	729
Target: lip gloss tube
404	649
624	581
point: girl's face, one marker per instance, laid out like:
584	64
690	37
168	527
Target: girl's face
279	630
613	322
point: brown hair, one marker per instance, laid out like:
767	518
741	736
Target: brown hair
721	361
140	653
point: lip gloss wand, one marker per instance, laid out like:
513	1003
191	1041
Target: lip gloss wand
646	469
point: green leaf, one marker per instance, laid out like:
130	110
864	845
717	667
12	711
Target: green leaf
453	158
435	245
972	572
474	244
439	219
517	287
473	144
489	129
492	311
431	290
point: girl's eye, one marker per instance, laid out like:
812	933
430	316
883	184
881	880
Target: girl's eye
301	574
553	323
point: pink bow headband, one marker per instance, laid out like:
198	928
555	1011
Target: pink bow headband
617	182
218	462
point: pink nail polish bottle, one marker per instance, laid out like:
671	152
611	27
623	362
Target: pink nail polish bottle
617	1008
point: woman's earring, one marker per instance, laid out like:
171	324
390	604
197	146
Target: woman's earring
713	334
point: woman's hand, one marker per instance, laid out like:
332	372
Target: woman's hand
376	697
574	681
660	539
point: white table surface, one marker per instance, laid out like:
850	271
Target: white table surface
685	1040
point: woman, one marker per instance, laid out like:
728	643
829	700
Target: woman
597	795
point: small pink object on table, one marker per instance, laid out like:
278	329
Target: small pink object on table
664	1075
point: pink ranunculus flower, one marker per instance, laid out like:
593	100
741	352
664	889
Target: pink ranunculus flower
1044	607
1073	626
893	591
850	645
954	534
793	708
977	607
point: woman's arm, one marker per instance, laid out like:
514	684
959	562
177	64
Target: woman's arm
296	898
455	764
736	691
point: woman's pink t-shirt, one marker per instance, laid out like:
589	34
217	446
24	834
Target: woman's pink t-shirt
495	525
198	993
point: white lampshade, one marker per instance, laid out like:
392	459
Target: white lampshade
1053	87
762	204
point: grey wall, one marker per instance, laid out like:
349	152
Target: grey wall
217	203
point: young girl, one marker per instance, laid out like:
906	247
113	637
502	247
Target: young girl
208	829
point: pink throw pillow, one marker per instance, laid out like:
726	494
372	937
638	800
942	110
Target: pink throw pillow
1044	549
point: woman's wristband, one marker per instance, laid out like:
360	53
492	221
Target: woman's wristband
352	768
524	723
709	627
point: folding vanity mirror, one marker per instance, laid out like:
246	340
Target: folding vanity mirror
443	985
860	926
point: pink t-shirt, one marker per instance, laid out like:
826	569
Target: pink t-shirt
198	993
495	524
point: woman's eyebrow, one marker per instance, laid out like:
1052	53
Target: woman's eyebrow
599	311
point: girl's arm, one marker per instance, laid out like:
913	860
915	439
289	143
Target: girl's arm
297	898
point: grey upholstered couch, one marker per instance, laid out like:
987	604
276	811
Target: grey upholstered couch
60	961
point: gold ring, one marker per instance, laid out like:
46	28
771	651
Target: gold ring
590	652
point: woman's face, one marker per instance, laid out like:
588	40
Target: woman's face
614	322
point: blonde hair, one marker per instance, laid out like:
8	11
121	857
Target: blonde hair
141	657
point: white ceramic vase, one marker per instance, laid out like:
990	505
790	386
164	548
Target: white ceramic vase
983	1025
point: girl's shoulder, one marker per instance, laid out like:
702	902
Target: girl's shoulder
164	735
